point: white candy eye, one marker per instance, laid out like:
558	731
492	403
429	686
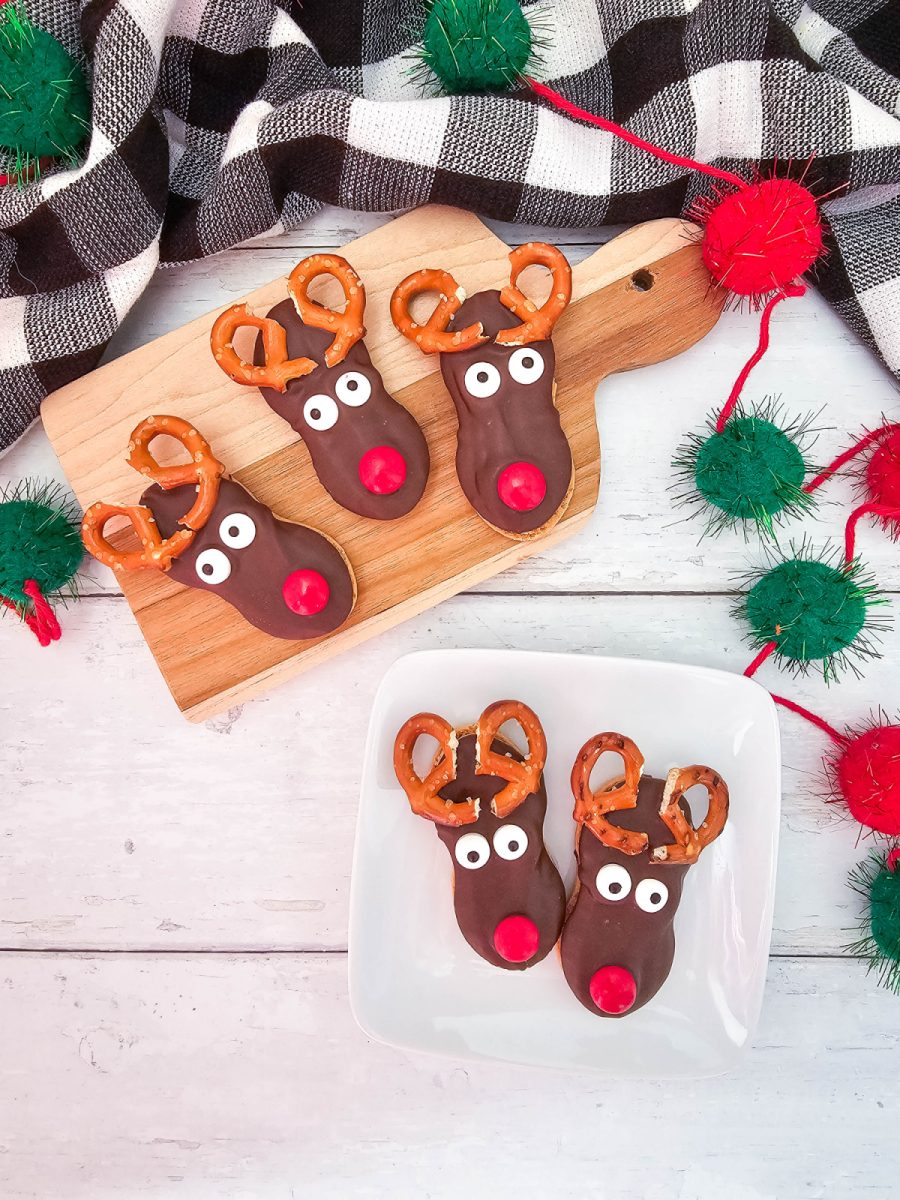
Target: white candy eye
613	882
510	842
320	412
472	851
526	365
482	380
212	566
651	895
237	531
353	388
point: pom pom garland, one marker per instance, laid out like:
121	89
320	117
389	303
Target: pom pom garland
877	881
44	101
864	770
40	553
750	471
476	46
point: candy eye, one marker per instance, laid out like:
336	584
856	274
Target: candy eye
320	412
613	882
353	388
472	851
651	895
212	566
237	531
526	365
510	842
482	380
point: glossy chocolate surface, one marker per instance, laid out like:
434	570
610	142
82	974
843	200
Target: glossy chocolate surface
256	572
529	886
518	423
609	932
337	451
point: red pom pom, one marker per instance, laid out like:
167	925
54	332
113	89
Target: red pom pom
866	776
761	237
882	479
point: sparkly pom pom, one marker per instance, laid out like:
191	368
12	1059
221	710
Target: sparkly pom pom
761	237
813	612
881	480
44	103
877	881
476	46
864	773
750	472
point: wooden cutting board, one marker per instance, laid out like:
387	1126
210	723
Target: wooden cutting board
641	298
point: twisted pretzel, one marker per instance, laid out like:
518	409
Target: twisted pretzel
432	337
347	326
538	322
590	806
204	469
423	793
277	371
522	778
155	551
689	841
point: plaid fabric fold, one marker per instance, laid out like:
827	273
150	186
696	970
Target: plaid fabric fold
215	121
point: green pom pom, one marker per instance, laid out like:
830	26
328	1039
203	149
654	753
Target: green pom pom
40	540
476	45
815	611
44	102
877	880
753	471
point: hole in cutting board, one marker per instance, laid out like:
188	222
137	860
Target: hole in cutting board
642	280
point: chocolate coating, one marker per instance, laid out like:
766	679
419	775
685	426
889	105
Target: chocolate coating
518	423
603	932
529	885
258	571
336	452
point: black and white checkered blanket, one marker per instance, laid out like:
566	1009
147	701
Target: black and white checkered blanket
215	121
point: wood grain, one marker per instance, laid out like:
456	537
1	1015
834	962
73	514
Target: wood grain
209	656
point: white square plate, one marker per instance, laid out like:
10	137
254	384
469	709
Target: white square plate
416	983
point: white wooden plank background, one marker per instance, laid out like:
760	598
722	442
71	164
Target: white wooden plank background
173	899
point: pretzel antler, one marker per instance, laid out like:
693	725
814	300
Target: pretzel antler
423	793
522	778
591	807
537	322
277	371
432	337
689	841
203	469
347	326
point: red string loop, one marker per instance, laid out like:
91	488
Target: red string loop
864	510
42	619
840	739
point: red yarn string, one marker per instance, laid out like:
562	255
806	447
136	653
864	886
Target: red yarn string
769	648
42	619
790	289
842	459
840	739
677	160
875	510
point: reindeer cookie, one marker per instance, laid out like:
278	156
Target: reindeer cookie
208	532
634	846
488	801
512	457
313	369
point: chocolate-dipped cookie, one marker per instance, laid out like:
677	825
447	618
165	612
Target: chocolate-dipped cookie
208	532
634	845
314	371
488	803
513	460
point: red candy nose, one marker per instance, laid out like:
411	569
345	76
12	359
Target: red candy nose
306	592
522	486
613	990
516	939
382	470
